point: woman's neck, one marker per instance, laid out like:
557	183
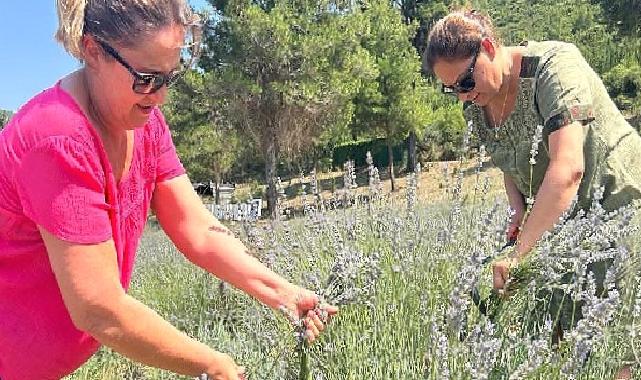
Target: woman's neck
510	73
502	105
110	135
77	85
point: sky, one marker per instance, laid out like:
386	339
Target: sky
30	58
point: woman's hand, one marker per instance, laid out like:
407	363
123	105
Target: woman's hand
302	303
501	272
514	227
517	206
224	368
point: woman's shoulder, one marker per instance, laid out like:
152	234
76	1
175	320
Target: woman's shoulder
554	62
51	113
548	48
554	55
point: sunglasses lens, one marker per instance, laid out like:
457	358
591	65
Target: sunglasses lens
158	82
143	85
148	84
467	84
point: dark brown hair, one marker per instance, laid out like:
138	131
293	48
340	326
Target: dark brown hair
457	36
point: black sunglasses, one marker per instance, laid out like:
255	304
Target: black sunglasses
465	82
144	83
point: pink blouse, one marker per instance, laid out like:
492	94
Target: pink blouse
54	172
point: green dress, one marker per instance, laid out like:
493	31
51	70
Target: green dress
557	86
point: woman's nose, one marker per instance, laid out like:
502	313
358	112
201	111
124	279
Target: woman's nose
159	96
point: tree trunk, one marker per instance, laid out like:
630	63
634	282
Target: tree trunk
216	189
390	154
217	193
270	175
411	152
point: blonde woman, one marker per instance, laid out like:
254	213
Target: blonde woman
80	166
509	91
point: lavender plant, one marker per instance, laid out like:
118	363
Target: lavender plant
405	287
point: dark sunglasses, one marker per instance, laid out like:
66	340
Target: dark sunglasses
465	82
144	83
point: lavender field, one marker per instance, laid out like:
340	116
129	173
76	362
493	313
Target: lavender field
408	274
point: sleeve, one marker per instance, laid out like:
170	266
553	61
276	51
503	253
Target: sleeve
168	163
563	92
61	187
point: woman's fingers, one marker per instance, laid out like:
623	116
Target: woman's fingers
499	271
330	309
315	319
311	330
306	306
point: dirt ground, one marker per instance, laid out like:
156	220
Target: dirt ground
436	182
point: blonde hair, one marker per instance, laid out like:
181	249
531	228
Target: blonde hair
71	20
125	22
457	36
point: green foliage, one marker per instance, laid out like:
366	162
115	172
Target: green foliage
432	11
288	72
357	151
397	102
285	73
207	147
624	85
580	22
284	83
442	139
623	15
5	116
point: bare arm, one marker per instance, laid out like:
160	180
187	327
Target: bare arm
514	196
89	282
560	185
515	199
208	244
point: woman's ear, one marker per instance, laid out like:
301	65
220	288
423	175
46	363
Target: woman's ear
489	46
91	51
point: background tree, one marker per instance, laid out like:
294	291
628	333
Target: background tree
624	84
286	73
424	13
283	83
397	101
206	144
622	15
5	116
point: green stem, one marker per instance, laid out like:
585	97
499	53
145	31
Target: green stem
303	353
528	208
